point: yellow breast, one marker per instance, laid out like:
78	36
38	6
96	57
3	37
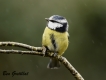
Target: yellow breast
61	40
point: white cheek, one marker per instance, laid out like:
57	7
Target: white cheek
54	25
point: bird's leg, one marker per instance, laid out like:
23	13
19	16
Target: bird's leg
44	51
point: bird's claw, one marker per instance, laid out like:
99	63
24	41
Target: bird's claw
55	54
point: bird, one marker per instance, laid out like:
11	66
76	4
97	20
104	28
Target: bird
56	38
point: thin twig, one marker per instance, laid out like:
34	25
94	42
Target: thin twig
38	51
20	52
21	45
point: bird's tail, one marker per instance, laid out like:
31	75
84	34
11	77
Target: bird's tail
53	64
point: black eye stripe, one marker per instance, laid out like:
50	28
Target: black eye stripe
54	21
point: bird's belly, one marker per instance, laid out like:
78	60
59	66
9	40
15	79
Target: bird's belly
62	45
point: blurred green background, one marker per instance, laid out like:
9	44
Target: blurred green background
23	21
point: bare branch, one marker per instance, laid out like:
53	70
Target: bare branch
38	51
21	45
20	52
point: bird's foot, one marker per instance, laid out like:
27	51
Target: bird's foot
55	54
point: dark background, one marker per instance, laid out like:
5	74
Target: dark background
23	21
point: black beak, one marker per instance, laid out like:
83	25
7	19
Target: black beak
47	19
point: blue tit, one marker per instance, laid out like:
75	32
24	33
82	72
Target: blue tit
56	38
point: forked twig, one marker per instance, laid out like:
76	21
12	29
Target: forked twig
38	51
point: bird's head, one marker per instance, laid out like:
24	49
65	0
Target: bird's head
57	23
